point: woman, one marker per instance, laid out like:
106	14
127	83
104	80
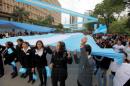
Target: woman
1	61
59	61
10	56
85	70
40	61
25	59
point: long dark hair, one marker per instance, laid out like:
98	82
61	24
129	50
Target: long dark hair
39	41
62	46
10	44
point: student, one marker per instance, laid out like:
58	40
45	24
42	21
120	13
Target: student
85	66
10	56
19	47
40	61
26	61
59	61
117	47
1	61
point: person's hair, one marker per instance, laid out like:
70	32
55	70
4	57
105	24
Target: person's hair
26	43
62	46
10	44
21	40
39	41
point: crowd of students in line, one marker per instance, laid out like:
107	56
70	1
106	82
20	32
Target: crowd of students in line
33	58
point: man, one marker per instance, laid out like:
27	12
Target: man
1	61
85	66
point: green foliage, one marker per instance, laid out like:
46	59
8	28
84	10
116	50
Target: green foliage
119	27
109	7
106	10
89	27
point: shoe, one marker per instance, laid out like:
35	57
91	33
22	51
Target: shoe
25	75
41	85
14	75
29	81
1	75
22	75
33	81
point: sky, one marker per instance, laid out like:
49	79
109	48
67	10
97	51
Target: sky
80	6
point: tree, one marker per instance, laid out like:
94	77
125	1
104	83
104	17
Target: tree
108	8
20	15
89	27
59	27
119	27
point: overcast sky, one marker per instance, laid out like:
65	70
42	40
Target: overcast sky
78	6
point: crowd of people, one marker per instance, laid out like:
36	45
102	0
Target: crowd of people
18	33
33	58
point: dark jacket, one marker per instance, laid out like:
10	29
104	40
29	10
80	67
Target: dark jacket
18	50
60	60
26	58
41	61
85	67
1	50
9	55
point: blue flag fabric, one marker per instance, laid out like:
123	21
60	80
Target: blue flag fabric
34	77
22	70
10	51
13	63
48	71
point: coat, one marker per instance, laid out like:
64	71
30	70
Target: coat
18	50
9	54
25	58
40	61
60	60
85	67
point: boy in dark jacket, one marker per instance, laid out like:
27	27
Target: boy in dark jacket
10	56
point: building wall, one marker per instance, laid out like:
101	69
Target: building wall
7	7
74	20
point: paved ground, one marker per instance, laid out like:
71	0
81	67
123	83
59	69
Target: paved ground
71	81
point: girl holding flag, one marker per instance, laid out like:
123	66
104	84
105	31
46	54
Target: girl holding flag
26	61
10	56
40	61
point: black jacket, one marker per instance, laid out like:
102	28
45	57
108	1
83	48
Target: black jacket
18	50
9	55
40	61
1	50
25	58
60	61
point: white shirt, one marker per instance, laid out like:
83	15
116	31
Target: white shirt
122	75
114	66
39	52
117	47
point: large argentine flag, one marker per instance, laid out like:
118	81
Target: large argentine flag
72	41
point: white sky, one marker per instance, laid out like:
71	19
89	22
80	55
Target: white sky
78	6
